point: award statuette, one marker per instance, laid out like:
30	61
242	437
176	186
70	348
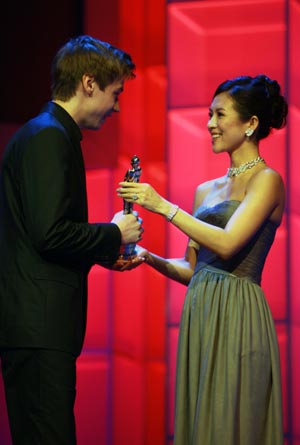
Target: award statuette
132	175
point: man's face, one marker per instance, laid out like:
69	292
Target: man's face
102	104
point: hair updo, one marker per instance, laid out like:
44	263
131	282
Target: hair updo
257	96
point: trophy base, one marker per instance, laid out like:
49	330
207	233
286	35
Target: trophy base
127	252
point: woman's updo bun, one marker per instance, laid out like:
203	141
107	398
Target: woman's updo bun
257	96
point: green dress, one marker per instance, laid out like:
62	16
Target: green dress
228	389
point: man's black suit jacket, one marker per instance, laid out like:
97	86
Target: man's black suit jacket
46	245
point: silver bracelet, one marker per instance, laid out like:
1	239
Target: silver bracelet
173	210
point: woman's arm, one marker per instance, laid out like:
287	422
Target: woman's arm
178	269
263	200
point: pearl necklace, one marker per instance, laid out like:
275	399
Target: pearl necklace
235	171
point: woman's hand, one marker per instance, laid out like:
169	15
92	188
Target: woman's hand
123	264
144	195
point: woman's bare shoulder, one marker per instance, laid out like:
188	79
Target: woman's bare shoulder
208	187
269	178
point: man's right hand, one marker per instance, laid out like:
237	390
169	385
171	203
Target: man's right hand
130	226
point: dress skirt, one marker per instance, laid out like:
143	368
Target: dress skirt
228	387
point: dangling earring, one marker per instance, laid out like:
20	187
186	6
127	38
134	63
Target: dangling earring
249	132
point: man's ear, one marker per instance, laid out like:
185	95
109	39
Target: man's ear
88	84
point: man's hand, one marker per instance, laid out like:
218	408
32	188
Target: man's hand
130	226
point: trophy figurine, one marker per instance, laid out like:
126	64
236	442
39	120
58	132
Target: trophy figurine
132	175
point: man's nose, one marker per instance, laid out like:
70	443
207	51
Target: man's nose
117	107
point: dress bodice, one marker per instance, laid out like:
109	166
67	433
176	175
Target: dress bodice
249	261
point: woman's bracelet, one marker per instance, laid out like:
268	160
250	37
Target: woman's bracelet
173	210
147	258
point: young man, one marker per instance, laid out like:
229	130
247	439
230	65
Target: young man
47	247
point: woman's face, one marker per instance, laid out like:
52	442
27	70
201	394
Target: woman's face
224	124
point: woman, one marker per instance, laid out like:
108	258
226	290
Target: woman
228	387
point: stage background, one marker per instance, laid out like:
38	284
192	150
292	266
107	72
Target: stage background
182	50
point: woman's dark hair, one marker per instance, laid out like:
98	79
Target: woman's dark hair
87	55
257	96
